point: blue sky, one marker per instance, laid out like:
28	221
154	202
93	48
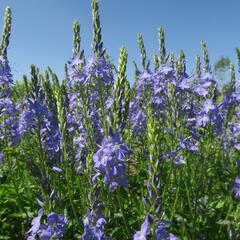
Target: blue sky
42	29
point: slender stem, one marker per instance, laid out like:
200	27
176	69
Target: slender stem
122	212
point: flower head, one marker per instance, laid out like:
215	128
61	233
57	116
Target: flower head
109	160
236	188
94	231
163	234
54	227
145	229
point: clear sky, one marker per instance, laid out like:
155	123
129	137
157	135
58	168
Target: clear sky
42	29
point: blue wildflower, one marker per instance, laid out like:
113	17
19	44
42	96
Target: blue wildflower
5	78
163	234
1	158
8	111
202	88
109	160
54	227
36	115
36	222
90	73
236	188
145	229
94	231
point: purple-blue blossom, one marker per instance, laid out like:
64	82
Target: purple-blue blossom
90	73
53	227
236	188
5	78
109	160
162	233
202	88
1	158
36	222
8	112
35	115
145	229
93	230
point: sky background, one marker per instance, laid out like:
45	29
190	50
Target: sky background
42	29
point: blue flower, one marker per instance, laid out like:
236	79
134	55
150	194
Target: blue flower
163	234
203	87
90	73
46	234
92	231
236	188
54	227
1	158
145	229
35	115
109	160
35	225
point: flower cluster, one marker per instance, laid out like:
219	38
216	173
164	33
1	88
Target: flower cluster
54	227
109	160
36	117
8	111
160	233
92	72
94	231
5	78
236	188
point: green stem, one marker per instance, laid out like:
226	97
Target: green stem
122	212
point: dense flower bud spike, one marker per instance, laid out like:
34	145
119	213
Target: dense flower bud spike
231	87
171	60
66	79
50	98
142	51
156	62
127	96
136	71
207	67
97	37
62	119
238	57
119	90
77	42
154	164
182	62
178	69
198	67
162	45
6	32
26	85
232	73
76	38
35	86
55	80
